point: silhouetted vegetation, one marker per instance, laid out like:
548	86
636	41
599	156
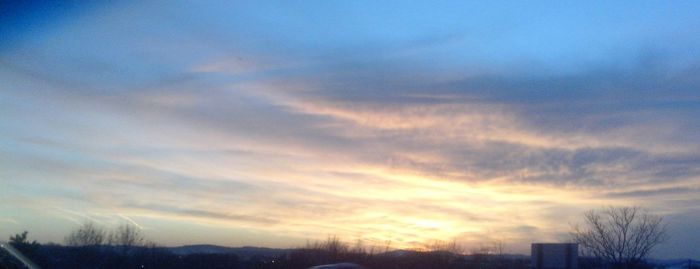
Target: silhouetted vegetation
620	237
91	246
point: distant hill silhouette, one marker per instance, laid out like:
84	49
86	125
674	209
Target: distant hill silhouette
243	252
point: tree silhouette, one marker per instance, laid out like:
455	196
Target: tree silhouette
621	236
126	235
88	234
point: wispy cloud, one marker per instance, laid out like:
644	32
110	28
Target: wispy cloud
260	131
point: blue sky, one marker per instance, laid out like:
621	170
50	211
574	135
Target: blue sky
270	123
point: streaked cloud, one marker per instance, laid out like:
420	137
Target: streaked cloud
237	124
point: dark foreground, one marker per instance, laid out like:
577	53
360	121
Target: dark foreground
214	257
56	256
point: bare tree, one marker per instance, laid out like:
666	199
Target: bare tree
442	246
88	234
126	236
621	236
334	246
498	247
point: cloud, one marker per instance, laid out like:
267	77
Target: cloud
199	213
343	166
382	141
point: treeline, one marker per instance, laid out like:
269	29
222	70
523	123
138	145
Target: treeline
125	247
90	247
435	255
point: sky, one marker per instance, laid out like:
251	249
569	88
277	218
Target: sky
270	123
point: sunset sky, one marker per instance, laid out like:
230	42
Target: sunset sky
270	123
